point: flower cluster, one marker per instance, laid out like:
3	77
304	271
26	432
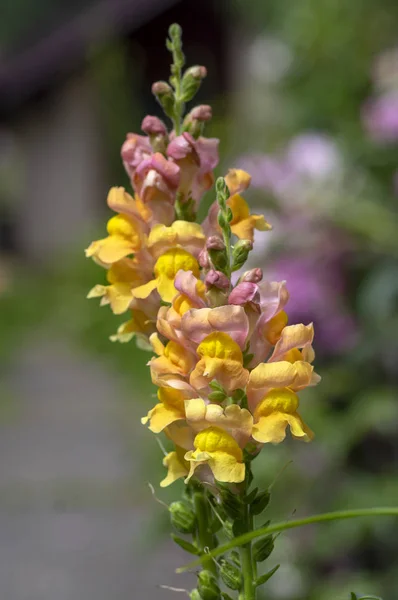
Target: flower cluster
227	364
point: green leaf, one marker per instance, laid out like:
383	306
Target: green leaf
260	503
187	546
249	498
264	578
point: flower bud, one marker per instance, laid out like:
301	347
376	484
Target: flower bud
164	95
202	112
191	82
182	517
207	586
217	279
243	293
153	126
194	595
214	242
195	120
217	252
240	253
230	574
204	259
263	548
253	276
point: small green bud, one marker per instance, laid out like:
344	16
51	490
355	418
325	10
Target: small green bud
240	253
263	548
222	190
217	396
194	595
182	517
207	586
230	575
260	503
231	503
165	96
218	258
191	82
230	215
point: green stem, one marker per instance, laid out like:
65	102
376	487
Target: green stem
246	558
205	537
331	516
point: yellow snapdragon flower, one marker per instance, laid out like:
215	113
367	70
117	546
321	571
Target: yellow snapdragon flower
221	359
276	411
217	449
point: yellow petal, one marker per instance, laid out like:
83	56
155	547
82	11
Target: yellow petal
235	420
167	267
143	291
110	249
176	468
293	336
275	326
221	452
181	233
237	181
170	409
276	411
267	376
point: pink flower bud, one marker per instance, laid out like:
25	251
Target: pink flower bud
204	259
153	126
217	279
197	72
214	242
201	113
159	88
253	276
244	292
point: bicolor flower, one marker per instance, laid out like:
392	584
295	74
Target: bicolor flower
135	149
156	181
199	323
166	268
235	420
243	222
125	236
171	408
274	413
221	359
122	276
181	234
281	374
217	449
173	361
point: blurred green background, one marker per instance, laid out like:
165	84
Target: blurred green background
305	97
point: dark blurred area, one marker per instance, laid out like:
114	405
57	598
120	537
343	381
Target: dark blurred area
305	98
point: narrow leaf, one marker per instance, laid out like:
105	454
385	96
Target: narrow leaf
264	578
187	546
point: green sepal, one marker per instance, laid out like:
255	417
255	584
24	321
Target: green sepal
207	586
187	546
231	503
230	575
260	503
217	396
249	498
264	578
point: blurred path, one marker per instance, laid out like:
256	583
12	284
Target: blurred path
69	519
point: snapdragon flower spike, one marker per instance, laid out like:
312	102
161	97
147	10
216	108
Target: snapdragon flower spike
228	366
